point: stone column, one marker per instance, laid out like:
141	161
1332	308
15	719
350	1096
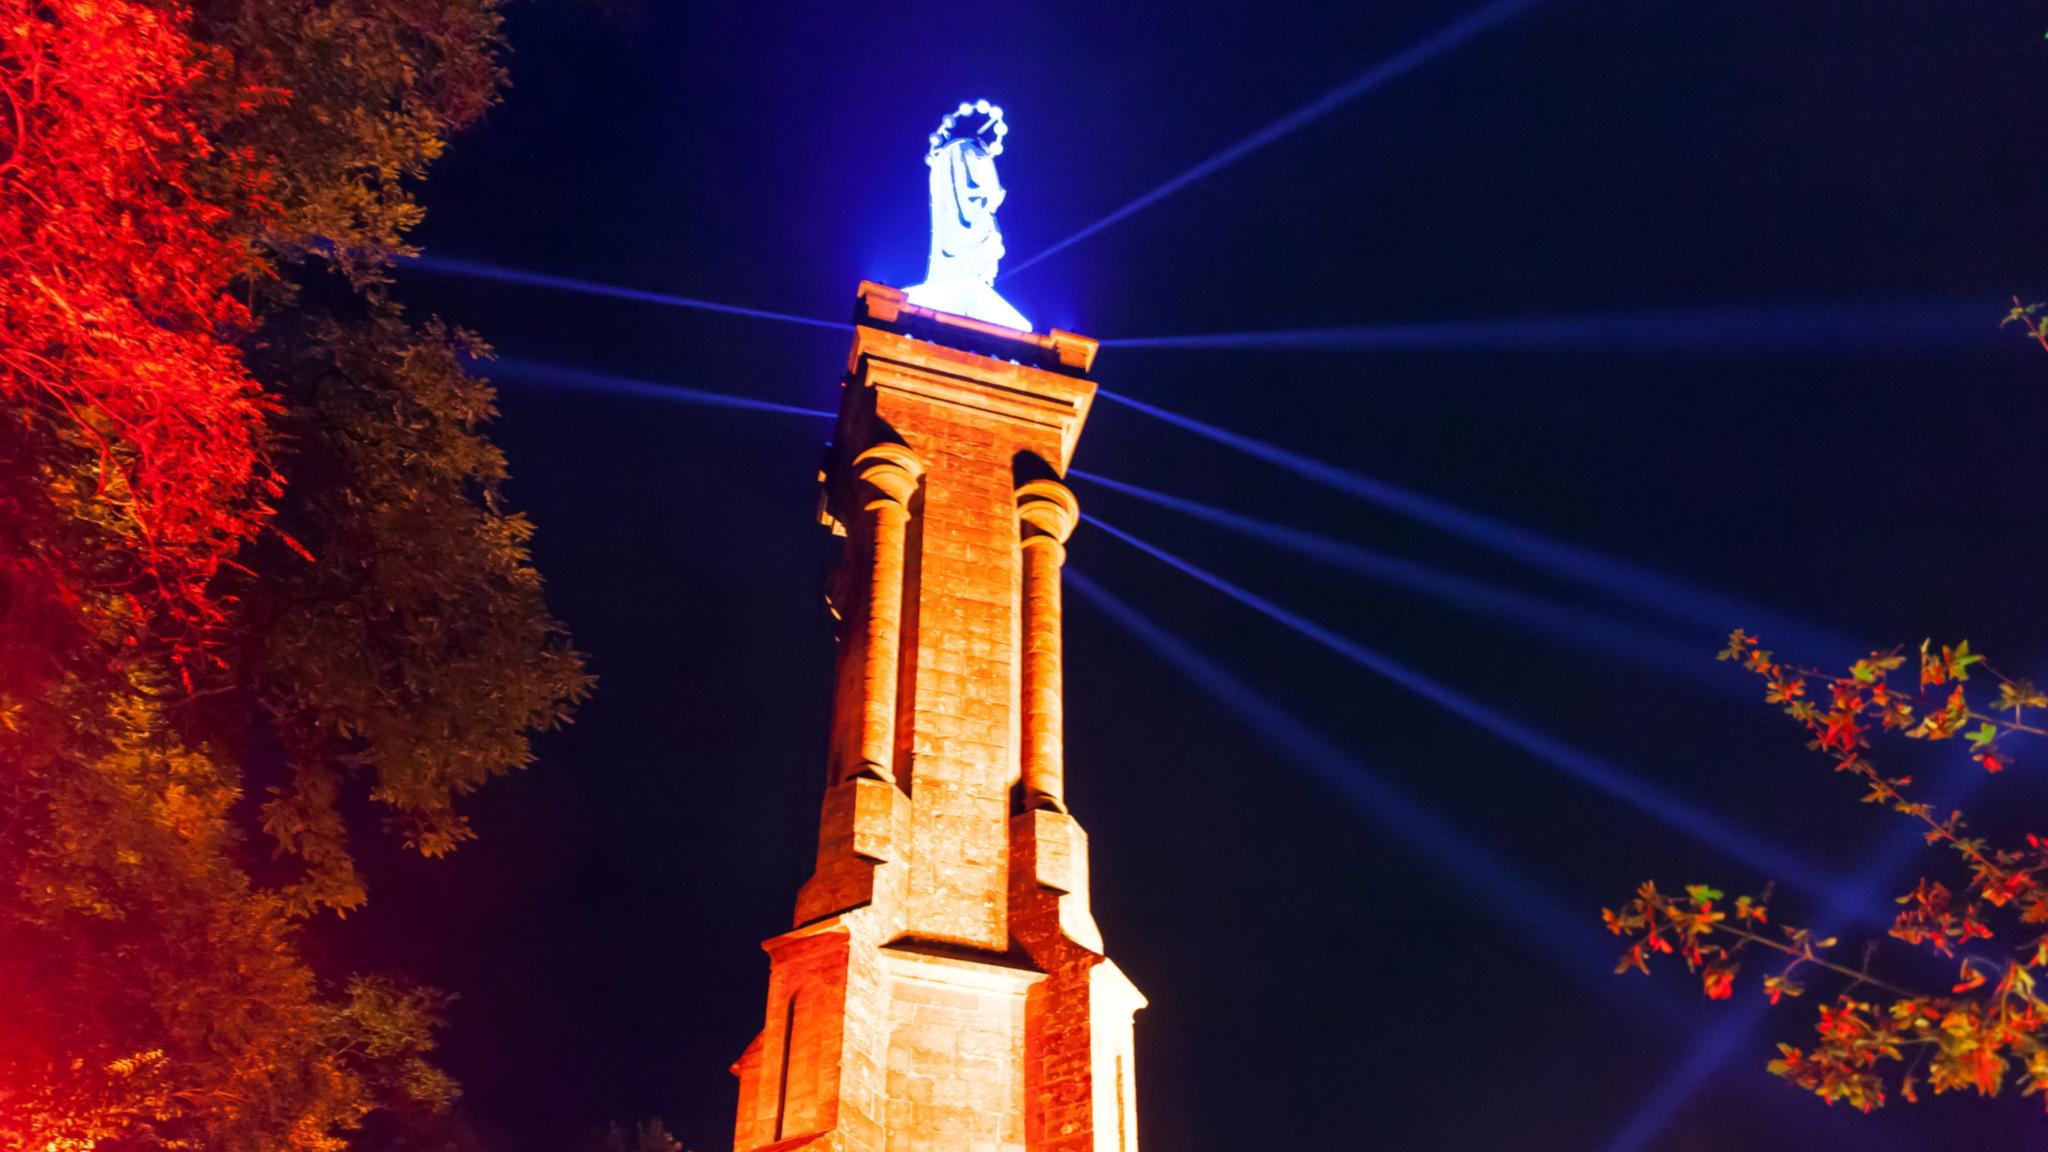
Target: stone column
1046	513
888	476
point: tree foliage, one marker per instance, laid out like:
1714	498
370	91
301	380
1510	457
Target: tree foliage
135	430
341	103
231	525
1882	1033
413	647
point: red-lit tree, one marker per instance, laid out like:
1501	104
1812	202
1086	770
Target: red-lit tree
196	478
117	360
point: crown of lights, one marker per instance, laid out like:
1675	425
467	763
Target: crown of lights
959	124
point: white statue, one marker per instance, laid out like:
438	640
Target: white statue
966	244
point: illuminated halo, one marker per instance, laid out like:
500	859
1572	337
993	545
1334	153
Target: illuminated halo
989	132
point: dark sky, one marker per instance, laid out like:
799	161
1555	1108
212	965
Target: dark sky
1313	981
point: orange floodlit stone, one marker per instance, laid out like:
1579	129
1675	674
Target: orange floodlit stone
944	987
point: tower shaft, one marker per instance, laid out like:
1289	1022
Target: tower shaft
944	985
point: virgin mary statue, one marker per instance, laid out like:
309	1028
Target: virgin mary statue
966	244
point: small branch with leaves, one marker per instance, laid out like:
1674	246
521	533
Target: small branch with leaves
2030	318
1879	1034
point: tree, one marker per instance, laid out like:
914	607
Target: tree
230	524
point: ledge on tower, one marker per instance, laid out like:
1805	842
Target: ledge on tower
881	306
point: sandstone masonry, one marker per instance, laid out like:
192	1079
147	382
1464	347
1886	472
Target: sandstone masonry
944	987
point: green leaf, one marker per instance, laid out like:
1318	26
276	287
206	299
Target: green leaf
1960	660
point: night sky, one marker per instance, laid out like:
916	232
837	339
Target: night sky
1314	981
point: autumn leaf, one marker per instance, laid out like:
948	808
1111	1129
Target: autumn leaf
1783	691
1960	659
1719	981
1779	987
2014	695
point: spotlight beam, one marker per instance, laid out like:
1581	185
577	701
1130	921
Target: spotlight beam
1772	861
1422	52
579	380
473	270
1496	883
1883	325
1674	599
1535	613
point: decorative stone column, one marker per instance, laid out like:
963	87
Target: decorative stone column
1046	514
888	476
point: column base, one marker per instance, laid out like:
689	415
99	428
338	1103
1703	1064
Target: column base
865	824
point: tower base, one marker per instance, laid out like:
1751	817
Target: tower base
895	1044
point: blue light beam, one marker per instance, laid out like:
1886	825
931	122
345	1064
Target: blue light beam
1887	325
1437	44
472	270
1674	599
1495	883
1769	859
1574	627
579	380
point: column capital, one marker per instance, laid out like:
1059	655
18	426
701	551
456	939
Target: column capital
890	469
1047	508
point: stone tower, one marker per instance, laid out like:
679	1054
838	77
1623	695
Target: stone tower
944	987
